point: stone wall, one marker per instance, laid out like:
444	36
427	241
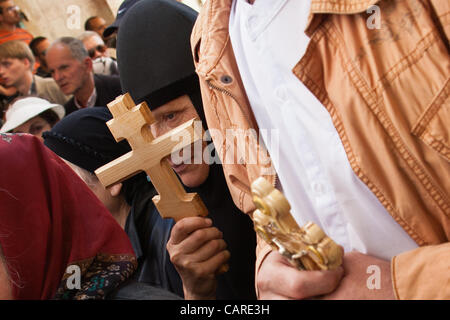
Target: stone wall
57	18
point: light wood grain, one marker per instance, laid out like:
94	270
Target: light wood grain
132	123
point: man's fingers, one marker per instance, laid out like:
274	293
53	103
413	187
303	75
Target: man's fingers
205	269
213	265
315	283
198	239
208	250
183	228
277	278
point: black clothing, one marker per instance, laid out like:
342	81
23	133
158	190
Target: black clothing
153	46
84	139
5	102
108	88
238	282
149	234
161	69
126	4
133	290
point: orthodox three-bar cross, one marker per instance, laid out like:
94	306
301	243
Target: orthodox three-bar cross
132	123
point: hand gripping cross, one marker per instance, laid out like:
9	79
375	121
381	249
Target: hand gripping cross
132	123
306	248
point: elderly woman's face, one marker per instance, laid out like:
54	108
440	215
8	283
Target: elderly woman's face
5	285
168	117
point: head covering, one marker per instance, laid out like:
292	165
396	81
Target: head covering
84	139
27	108
44	227
154	53
127	4
156	66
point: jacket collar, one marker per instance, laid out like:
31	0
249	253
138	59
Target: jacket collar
210	35
321	7
341	7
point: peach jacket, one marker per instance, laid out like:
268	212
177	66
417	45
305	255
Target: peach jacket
387	92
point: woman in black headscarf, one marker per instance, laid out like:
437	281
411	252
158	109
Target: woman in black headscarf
156	67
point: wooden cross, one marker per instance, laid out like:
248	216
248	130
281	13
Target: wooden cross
133	123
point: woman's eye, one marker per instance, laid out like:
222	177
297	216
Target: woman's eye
170	116
36	129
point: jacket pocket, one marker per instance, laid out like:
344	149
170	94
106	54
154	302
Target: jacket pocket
432	126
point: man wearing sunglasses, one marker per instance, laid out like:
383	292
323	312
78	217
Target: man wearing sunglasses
9	18
102	62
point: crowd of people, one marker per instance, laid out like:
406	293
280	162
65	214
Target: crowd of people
69	115
361	115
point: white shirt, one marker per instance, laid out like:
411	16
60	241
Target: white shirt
268	40
90	102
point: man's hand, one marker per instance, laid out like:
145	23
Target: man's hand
197	250
354	284
278	279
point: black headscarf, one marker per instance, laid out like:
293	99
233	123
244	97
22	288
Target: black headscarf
84	139
156	66
154	54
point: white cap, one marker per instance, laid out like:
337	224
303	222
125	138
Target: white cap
27	108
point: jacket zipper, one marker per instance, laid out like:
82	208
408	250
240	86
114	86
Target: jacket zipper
228	94
212	86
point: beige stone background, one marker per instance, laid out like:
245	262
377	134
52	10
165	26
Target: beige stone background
57	18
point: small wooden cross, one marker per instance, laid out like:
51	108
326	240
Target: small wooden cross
133	123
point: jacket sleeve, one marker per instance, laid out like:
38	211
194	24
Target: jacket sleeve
423	273
48	89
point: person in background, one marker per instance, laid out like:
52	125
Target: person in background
39	46
96	24
110	33
16	70
9	18
32	115
97	50
71	67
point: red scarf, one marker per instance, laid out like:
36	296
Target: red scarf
49	220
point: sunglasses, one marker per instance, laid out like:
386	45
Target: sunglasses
13	8
100	48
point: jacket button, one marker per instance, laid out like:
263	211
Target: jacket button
226	79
